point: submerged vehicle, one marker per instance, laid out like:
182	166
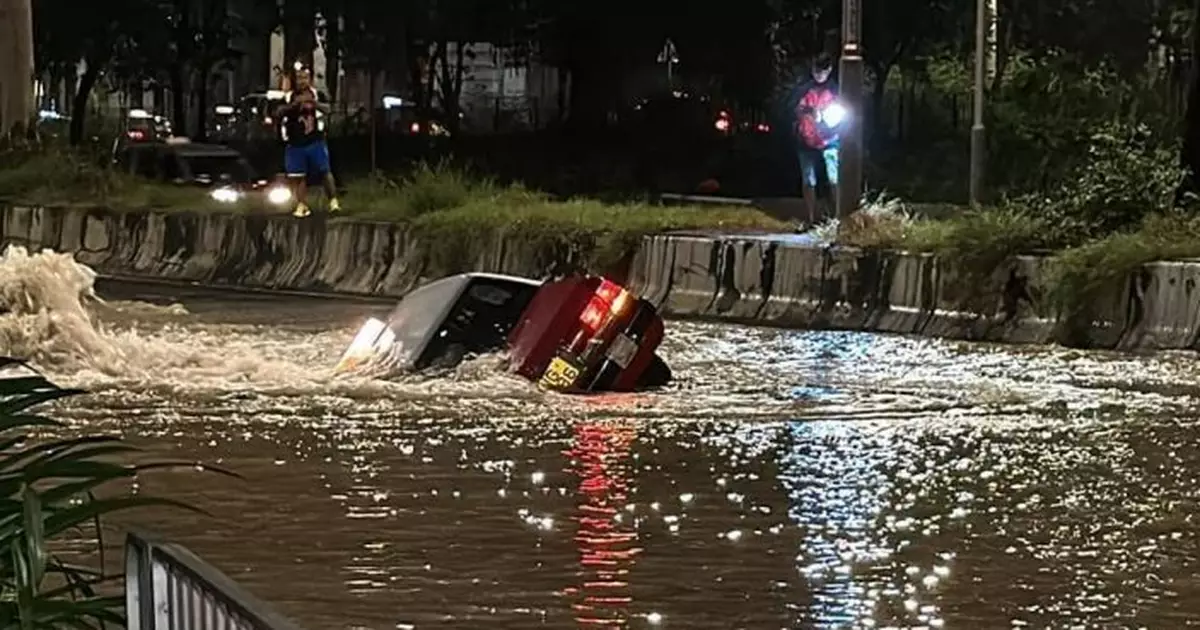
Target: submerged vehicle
577	334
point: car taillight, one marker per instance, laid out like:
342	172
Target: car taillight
608	291
593	316
610	299
137	134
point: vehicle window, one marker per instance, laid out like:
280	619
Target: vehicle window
231	167
417	317
482	318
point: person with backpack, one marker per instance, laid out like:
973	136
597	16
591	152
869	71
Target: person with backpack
818	116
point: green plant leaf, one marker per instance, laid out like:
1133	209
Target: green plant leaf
34	535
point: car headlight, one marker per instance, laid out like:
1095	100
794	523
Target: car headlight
279	195
372	340
225	194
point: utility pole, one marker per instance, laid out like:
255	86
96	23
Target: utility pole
16	64
850	77
978	135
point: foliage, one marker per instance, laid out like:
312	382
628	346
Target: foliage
446	206
1080	276
599	235
1125	177
48	492
66	177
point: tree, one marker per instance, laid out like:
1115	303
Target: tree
897	30
369	26
729	49
69	31
1190	152
196	42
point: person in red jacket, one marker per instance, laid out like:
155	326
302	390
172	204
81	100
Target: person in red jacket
818	118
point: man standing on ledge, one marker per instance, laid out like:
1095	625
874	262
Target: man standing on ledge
306	152
817	132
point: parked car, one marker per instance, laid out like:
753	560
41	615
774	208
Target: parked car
223	170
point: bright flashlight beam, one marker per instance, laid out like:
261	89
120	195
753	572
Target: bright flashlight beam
833	114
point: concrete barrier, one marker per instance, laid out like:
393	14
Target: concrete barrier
273	252
779	281
775	280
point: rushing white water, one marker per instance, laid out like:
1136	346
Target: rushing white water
55	320
268	353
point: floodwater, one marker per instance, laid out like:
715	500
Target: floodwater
787	480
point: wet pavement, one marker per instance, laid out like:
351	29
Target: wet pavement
789	479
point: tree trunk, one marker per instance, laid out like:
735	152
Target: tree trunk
878	94
79	101
16	64
202	97
371	116
563	87
589	97
179	94
1190	152
333	55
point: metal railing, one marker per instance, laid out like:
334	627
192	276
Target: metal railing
167	587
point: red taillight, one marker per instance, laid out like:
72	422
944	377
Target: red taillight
137	134
415	128
608	291
610	297
593	316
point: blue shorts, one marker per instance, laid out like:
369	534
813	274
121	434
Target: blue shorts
809	159
309	159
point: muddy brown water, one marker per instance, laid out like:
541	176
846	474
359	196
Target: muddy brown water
789	479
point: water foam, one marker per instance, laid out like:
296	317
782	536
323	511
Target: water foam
52	319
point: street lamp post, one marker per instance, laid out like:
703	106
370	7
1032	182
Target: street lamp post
850	76
16	64
978	135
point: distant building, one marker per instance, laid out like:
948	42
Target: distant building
499	91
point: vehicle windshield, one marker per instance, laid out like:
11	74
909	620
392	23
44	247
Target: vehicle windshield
229	167
418	316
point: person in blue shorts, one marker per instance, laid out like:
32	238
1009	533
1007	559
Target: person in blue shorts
305	152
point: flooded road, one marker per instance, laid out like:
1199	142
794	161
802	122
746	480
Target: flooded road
787	480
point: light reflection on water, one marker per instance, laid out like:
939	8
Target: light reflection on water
788	480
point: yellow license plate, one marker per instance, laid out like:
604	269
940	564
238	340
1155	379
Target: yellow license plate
560	375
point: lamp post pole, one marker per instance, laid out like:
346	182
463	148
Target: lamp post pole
978	135
850	76
16	64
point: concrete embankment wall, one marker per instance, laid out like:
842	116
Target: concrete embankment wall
273	252
771	282
747	279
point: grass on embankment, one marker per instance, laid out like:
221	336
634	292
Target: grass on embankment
452	213
62	178
1080	268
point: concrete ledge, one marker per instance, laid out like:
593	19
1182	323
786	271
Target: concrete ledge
780	282
774	280
267	252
